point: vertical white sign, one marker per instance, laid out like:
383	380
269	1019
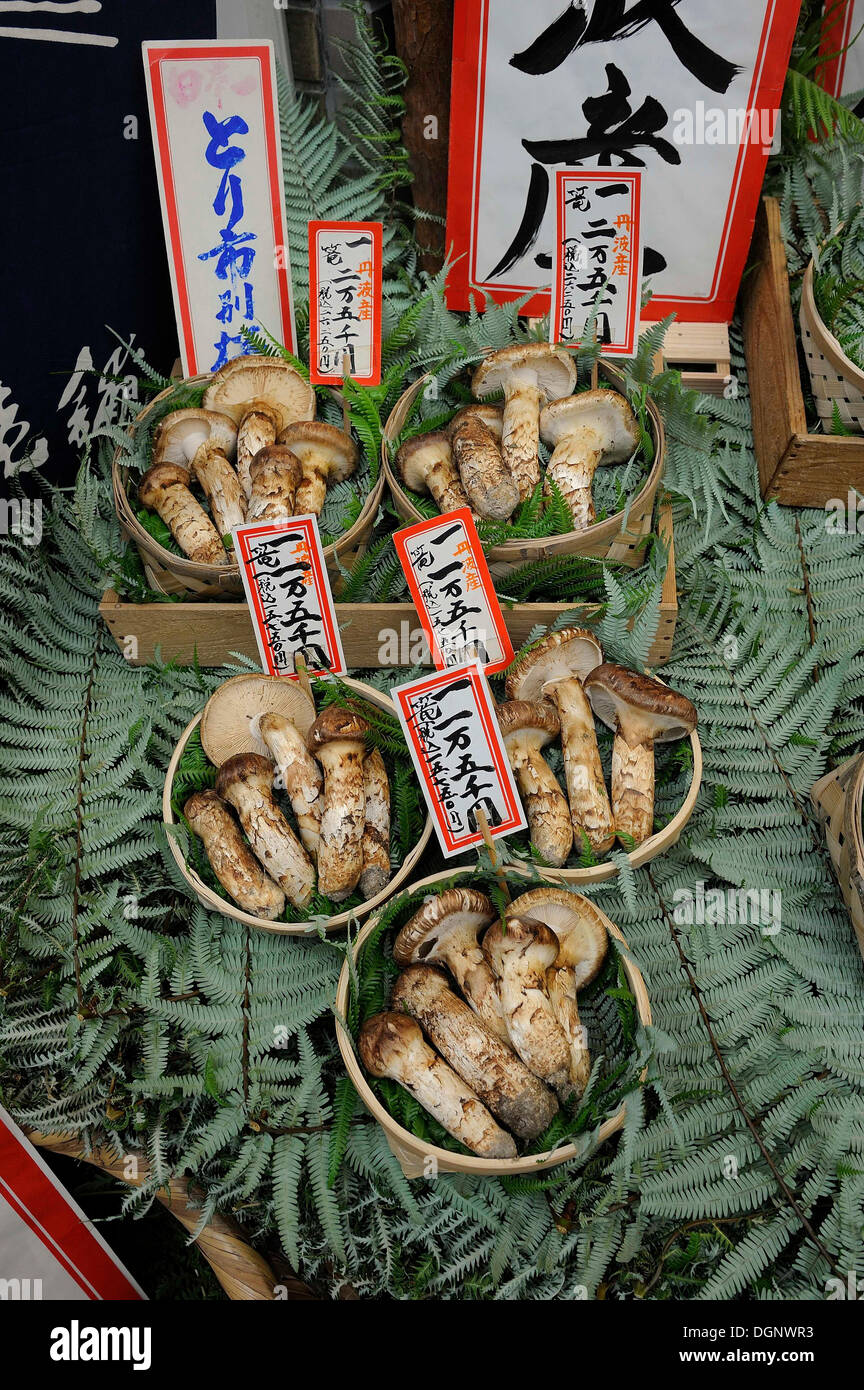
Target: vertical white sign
598	257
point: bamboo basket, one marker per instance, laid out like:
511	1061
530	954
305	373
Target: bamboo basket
619	537
168	573
418	1158
838	799
212	901
834	379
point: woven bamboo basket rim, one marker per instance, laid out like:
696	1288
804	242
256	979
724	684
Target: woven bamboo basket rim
401	1140
228	908
609	530
219	576
825	340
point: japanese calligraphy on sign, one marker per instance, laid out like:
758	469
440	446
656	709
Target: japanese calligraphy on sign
453	592
218	159
285	578
345	301
598	255
457	749
612	84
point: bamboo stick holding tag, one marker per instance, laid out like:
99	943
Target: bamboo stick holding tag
346	408
483	827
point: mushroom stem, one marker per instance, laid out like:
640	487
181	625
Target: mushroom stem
299	774
337	739
549	822
561	989
521	954
522	430
571	468
586	790
392	1045
312	488
230	858
275	472
221	487
165	490
491	490
257	429
426	464
376	830
246	782
633	787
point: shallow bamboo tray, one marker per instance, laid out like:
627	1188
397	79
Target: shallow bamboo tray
176	574
415	1156
838	798
610	539
834	378
214	903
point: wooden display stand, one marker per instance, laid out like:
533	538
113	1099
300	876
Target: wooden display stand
700	352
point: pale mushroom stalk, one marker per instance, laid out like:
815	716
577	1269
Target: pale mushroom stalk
221	487
338	740
299	774
246	781
392	1045
326	455
529	374
258	429
527	727
274	474
262	395
485	477
514	1094
562	996
165	490
521	954
586	430
376	830
425	464
230	858
205	441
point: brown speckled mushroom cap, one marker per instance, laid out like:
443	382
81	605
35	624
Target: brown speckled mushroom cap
492	416
537	719
181	434
250	768
638	705
331	449
384	1039
255	380
555	370
160	476
453	914
569	652
606	415
335	724
420	453
577	923
280	457
523	938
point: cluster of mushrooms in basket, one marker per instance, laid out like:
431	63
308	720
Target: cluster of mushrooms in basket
256	451
490	1044
556	690
340	799
488	457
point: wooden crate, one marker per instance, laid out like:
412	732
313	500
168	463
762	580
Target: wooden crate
797	468
212	631
700	352
838	799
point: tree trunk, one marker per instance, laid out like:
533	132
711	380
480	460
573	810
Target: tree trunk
424	41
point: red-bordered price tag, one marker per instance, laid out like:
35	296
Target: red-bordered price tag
345	264
598	257
455	742
288	591
453	592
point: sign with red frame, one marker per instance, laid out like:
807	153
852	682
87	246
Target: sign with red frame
598	255
842	25
345	284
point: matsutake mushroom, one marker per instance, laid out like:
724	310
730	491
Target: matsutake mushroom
165	490
514	1094
485	476
520	954
375	874
205	441
529	374
392	1045
642	711
492	416
230	858
246	781
426	465
326	455
298	773
527	727
446	929
263	395
555	669
586	430
338	740
275	474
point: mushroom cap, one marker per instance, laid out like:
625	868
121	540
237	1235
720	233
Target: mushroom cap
521	937
181	434
605	412
384	1039
579	926
279	456
537	717
492	417
643	703
571	651
314	439
451	913
335	724
420	453
157	478
254	380
199	801
555	370
245	767
230	722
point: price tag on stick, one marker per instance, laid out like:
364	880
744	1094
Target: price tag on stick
457	749
453	592
345	260
598	257
288	591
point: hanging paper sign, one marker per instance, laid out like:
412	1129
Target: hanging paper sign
218	158
345	260
50	1249
453	592
685	90
285	578
843	47
455	742
598	255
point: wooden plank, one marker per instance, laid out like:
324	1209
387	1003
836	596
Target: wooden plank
700	351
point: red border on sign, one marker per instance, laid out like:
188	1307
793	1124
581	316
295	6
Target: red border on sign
464	517
242	536
376	229
634	283
154	55
470	33
404	696
836	32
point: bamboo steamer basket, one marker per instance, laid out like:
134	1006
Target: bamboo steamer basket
619	537
214	903
417	1157
168	573
834	378
838	799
